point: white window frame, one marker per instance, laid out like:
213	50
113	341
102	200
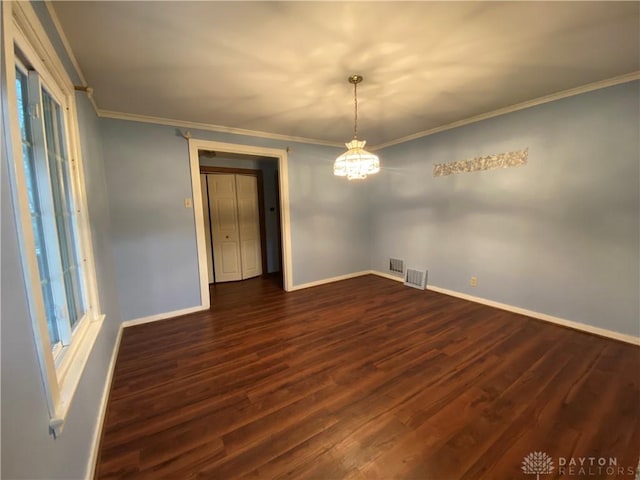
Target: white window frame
61	369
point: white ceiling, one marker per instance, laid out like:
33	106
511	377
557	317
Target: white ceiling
282	67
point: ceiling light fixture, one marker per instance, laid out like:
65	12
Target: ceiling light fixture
356	163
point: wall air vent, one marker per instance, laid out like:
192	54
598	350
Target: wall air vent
416	278
396	265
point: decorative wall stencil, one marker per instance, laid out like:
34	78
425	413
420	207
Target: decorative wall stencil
489	162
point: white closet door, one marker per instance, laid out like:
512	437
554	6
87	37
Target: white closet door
224	227
249	223
207	225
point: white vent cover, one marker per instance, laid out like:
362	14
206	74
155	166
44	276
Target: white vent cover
416	278
396	265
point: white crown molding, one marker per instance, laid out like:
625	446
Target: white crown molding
67	47
168	121
210	127
161	120
65	41
629	77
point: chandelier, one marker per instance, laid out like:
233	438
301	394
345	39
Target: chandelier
356	163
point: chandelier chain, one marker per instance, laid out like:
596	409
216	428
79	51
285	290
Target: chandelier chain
355	101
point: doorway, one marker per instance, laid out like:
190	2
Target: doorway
272	165
233	204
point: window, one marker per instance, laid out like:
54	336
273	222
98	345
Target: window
47	185
48	176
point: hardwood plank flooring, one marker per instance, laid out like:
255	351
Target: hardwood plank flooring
365	379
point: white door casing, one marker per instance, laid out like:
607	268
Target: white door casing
249	225
195	145
207	225
224	227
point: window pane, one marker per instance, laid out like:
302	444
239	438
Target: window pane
34	207
60	171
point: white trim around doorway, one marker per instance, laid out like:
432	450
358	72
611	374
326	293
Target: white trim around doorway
194	146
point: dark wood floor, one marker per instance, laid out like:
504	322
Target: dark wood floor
365	379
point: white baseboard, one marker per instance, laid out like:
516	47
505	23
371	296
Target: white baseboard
163	316
503	306
389	276
95	444
603	332
329	280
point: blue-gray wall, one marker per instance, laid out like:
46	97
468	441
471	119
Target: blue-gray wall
558	236
28	450
153	234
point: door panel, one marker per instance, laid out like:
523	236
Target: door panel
229	258
251	262
249	225
224	227
225	210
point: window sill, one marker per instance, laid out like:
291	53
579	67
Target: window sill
71	378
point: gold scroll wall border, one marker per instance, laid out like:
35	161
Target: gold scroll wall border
488	162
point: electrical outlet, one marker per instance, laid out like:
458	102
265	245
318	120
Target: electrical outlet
474	281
